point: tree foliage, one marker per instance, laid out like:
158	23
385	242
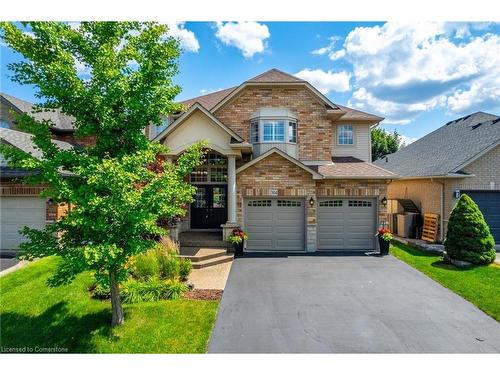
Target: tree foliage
468	237
384	143
114	78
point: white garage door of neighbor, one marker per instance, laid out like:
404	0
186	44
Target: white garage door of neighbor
346	224
275	224
17	212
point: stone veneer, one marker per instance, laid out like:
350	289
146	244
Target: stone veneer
314	128
277	174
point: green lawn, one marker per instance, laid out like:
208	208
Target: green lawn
35	315
479	285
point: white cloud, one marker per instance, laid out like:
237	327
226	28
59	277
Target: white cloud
394	112
326	81
249	37
187	38
407	140
209	91
402	70
330	49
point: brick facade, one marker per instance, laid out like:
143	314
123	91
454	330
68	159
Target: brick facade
314	128
277	174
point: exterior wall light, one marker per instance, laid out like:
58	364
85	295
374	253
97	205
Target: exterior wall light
311	201
384	201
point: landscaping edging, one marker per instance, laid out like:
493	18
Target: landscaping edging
435	249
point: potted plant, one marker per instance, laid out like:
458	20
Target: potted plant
238	238
384	239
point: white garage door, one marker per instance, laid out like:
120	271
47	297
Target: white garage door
275	224
346	224
17	212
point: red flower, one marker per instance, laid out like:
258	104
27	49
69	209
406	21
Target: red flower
381	231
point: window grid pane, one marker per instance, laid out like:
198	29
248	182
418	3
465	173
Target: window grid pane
254	132
292	132
268	132
345	135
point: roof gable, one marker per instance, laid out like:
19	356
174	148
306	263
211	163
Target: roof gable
446	150
274	76
275	150
196	107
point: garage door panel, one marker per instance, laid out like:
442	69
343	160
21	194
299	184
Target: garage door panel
275	224
489	204
346	224
17	212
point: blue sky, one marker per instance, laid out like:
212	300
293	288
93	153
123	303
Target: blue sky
418	76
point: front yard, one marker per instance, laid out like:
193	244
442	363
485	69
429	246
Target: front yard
34	315
479	285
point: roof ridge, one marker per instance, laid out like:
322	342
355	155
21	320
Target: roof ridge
210	93
278	71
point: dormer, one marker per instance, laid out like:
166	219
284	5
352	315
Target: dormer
272	127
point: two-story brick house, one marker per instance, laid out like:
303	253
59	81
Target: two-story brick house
21	204
286	164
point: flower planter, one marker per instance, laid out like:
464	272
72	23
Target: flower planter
383	246
238	248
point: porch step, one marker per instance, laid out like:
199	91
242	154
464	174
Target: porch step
198	254
201	239
213	261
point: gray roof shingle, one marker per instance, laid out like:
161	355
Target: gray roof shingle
24	142
59	120
443	151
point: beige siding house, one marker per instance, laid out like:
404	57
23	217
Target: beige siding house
463	156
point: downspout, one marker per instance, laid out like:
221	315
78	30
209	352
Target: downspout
441	214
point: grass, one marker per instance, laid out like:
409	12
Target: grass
478	284
35	315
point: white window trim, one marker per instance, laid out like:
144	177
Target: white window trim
287	134
353	136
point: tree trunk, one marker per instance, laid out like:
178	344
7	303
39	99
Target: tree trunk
116	302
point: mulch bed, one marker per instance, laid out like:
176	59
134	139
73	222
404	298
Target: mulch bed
204	294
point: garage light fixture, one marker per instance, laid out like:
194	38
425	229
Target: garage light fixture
384	201
311	201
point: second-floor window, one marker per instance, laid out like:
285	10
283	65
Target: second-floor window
282	131
274	131
345	135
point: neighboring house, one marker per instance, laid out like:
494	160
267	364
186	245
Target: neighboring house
286	164
20	204
463	156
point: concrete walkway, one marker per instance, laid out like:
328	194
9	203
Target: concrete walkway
344	304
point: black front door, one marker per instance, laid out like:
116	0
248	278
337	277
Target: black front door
209	210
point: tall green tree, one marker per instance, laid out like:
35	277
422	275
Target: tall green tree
114	78
384	143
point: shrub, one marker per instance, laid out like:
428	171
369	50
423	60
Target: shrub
185	267
152	290
170	266
169	245
468	237
175	289
145	266
100	292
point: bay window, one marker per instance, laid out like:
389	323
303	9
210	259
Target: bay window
273	130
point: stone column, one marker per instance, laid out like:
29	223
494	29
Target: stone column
231	189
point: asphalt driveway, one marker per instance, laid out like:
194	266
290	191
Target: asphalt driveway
344	304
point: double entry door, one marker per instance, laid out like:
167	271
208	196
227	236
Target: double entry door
209	210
